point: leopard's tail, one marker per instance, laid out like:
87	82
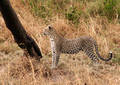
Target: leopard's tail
104	59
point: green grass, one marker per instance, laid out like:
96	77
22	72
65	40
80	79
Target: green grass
73	10
73	15
109	9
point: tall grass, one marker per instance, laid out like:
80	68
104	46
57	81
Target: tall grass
73	10
16	69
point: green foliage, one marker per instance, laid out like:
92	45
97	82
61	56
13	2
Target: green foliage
73	14
23	1
73	10
109	9
48	8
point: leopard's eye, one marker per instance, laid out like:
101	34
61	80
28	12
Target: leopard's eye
49	27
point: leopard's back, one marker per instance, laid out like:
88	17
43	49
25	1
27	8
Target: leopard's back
72	46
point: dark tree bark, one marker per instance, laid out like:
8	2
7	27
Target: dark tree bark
23	40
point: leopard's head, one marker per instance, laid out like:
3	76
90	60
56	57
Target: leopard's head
49	30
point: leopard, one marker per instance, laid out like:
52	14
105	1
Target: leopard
84	43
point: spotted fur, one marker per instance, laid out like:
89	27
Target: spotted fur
71	46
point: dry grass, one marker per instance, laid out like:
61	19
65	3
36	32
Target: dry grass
16	69
74	72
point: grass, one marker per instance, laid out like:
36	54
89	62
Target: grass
74	10
117	56
77	69
77	72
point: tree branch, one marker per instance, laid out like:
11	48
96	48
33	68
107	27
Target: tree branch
23	40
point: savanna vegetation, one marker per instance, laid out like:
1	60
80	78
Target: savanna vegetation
71	18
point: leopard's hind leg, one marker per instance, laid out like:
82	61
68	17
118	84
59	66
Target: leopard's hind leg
89	51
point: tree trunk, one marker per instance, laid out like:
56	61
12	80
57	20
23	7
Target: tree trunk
23	40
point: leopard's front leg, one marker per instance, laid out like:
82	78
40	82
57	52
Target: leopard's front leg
55	58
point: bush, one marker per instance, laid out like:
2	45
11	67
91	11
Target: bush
109	9
47	8
73	14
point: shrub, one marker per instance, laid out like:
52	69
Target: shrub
73	14
109	9
48	8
